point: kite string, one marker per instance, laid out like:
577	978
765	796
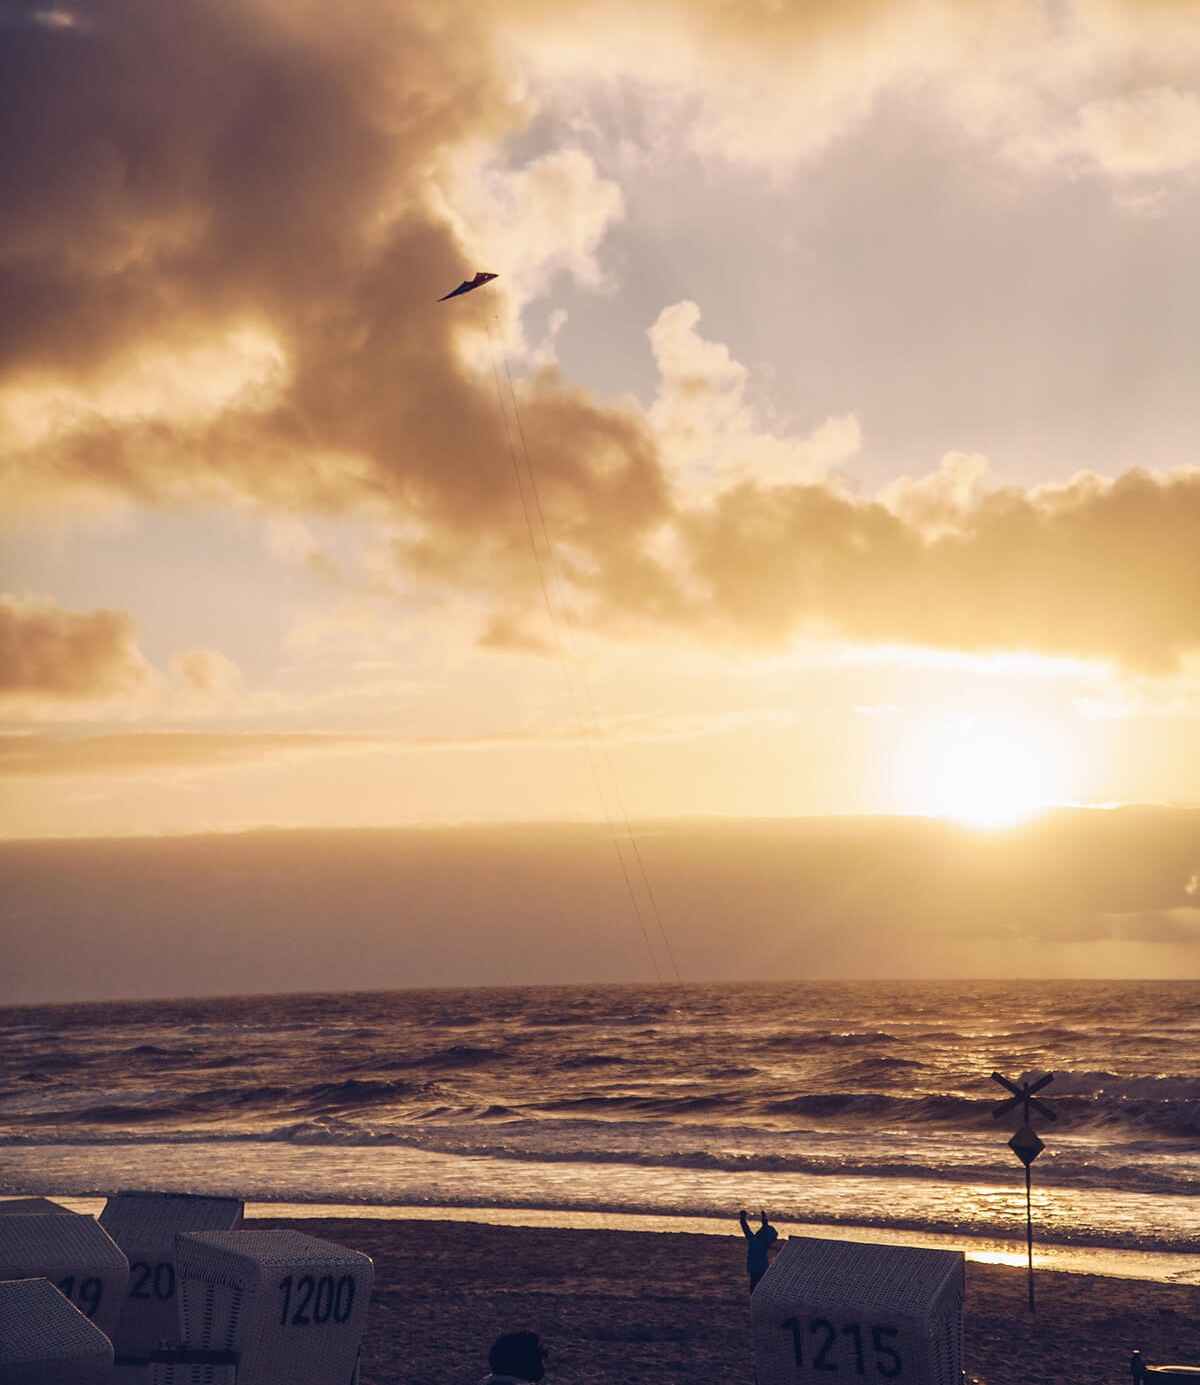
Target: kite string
528	483
591	706
568	655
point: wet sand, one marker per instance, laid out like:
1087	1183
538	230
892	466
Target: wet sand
672	1307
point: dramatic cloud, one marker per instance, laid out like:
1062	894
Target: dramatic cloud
226	226
293	206
1094	568
51	655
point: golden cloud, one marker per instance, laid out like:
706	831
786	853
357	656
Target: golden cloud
1095	568
48	654
1104	86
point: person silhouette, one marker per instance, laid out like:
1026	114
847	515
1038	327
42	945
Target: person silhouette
514	1358
760	1241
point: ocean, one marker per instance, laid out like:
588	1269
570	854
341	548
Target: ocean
846	1105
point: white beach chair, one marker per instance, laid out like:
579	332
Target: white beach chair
44	1340
24	1206
876	1311
75	1253
144	1225
290	1306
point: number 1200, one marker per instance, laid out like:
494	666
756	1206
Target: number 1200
822	1340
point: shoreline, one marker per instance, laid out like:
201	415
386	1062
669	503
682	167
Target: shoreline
1098	1261
577	1188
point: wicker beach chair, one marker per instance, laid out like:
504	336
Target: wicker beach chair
880	1311
24	1206
1162	1375
44	1340
144	1225
290	1306
75	1253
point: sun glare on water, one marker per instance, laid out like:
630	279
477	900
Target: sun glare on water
985	775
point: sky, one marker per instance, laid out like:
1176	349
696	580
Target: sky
824	449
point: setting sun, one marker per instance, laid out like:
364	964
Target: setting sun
987	775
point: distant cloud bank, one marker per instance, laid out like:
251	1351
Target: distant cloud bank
1072	894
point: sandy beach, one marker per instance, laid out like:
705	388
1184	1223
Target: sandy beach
672	1307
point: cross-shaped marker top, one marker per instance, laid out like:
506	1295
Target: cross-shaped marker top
1024	1095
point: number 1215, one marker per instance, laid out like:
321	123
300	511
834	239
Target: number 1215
823	1340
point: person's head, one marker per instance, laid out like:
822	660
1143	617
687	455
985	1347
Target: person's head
518	1353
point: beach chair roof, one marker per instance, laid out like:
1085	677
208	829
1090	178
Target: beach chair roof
45	1338
25	1206
150	1219
49	1242
909	1281
251	1257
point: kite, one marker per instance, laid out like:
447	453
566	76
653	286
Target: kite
468	284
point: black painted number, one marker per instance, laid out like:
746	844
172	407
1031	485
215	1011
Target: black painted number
895	1364
342	1306
853	1331
823	1326
888	1362
152	1281
323	1303
793	1326
89	1295
316	1300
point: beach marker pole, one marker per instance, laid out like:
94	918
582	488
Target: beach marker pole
1025	1144
1029	1228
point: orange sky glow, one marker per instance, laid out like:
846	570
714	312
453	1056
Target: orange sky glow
825	450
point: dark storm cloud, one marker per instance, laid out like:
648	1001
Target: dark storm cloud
228	165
